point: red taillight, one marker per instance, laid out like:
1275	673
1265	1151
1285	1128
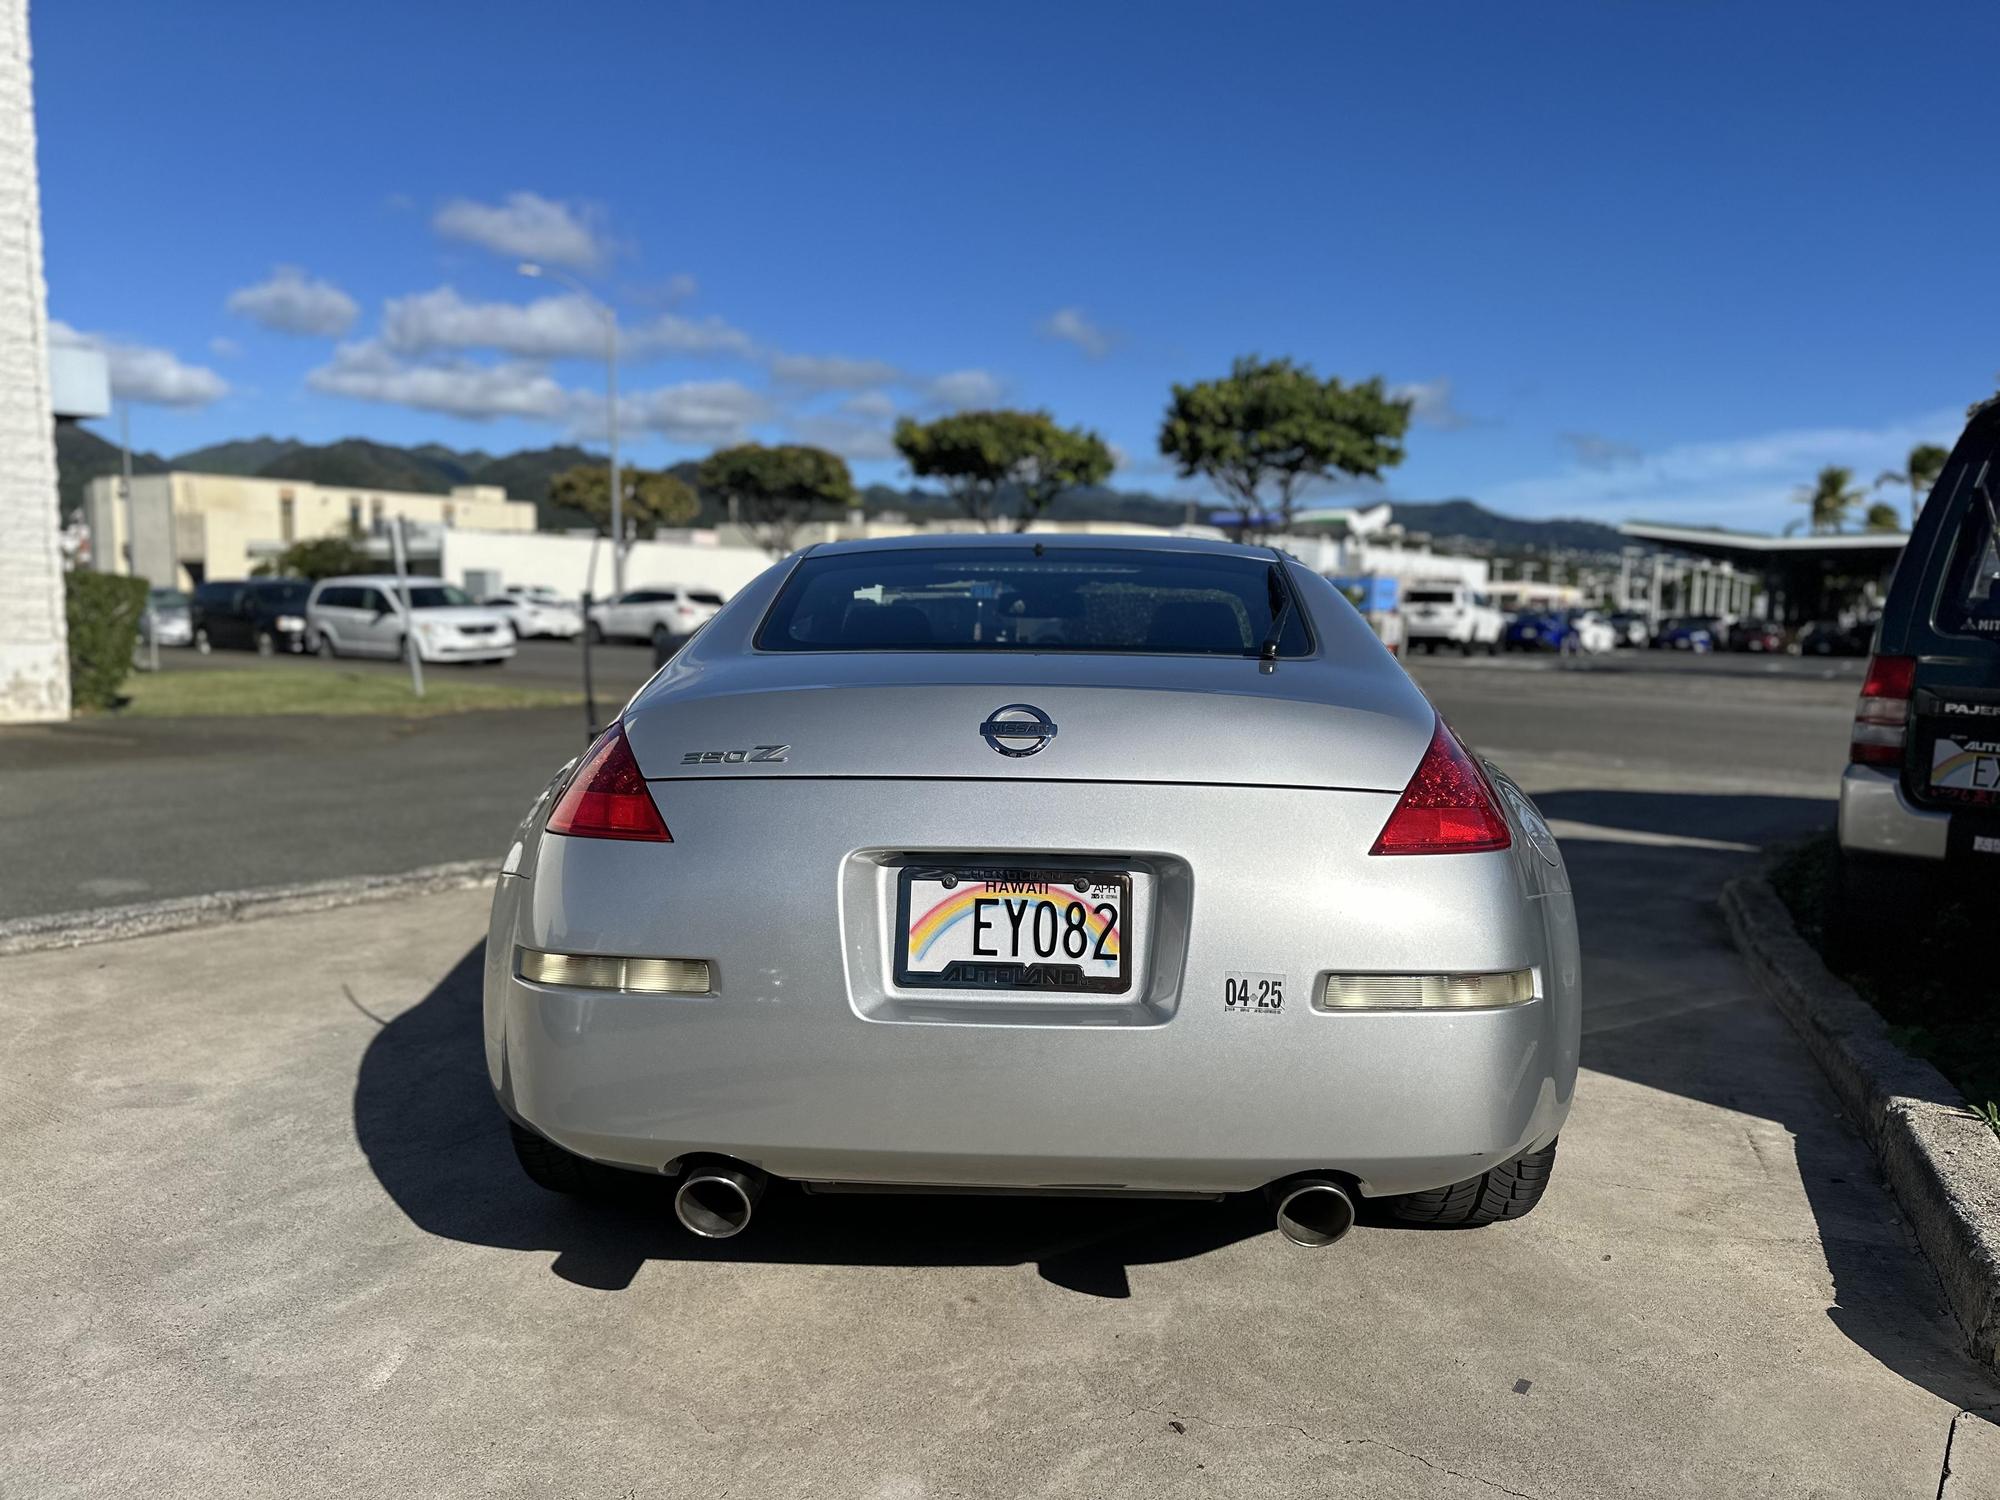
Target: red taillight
607	798
1882	717
1448	807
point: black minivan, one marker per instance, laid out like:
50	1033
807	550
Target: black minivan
265	615
1922	787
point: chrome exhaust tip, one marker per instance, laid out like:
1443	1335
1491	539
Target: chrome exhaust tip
1312	1211
715	1199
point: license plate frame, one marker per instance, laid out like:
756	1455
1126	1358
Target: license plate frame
1007	977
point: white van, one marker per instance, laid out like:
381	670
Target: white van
1451	614
371	616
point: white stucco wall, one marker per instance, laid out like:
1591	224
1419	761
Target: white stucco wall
34	654
563	562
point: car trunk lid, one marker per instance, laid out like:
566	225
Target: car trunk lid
1115	718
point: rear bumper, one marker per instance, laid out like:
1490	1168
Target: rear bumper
808	1062
1403	1103
1877	818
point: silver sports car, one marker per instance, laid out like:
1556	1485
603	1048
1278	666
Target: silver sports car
1068	864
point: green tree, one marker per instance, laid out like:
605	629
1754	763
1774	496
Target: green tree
774	491
1262	432
1830	497
1919	472
1882	516
651	497
982	456
318	557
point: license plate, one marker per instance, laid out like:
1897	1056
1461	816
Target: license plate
991	927
1971	766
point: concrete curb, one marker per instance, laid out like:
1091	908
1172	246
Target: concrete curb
109	924
1941	1160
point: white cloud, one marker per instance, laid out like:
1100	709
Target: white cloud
225	348
1430	403
694	411
140	372
876	406
367	371
1595	451
1072	326
831	372
290	301
851	437
526	226
561	327
964	388
1747	482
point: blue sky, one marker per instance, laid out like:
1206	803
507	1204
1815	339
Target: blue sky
1659	259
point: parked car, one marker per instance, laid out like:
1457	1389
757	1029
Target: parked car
1831	638
1450	614
1922	787
265	615
1594	633
1534	630
168	618
1052	944
658	612
1756	635
373	615
532	615
1687	633
1631	627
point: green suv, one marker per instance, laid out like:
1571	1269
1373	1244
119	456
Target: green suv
1922	787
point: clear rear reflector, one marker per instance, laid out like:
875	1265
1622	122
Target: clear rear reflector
1448	807
597	971
607	797
1425	991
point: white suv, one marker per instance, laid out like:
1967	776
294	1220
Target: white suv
1450	614
658	612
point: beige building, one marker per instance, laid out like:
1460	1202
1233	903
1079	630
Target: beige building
184	529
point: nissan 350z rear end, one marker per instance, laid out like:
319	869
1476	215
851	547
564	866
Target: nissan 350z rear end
1069	865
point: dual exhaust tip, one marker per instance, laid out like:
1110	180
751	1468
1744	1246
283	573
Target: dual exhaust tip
716	1199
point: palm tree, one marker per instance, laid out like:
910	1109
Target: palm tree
1925	463
1882	517
1830	497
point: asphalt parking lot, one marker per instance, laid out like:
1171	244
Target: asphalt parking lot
280	1247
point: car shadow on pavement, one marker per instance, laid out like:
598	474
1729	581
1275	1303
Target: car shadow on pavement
1668	1004
425	1119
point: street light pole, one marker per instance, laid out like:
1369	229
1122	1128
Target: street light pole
532	268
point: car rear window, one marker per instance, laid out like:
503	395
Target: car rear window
1432	596
281	595
1012	599
703	596
1970	601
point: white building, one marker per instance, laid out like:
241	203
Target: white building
34	641
183	529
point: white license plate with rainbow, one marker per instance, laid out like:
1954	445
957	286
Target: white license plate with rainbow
1001	927
1970	766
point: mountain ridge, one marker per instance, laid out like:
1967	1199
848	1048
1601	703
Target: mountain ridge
434	468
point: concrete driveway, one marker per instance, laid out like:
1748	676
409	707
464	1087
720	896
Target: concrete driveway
274	1244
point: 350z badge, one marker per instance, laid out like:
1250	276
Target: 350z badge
755	754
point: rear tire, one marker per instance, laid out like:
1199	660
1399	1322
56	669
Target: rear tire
555	1170
1505	1192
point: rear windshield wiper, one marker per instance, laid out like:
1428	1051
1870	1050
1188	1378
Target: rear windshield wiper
1281	613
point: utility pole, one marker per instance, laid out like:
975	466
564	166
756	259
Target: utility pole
610	315
403	605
